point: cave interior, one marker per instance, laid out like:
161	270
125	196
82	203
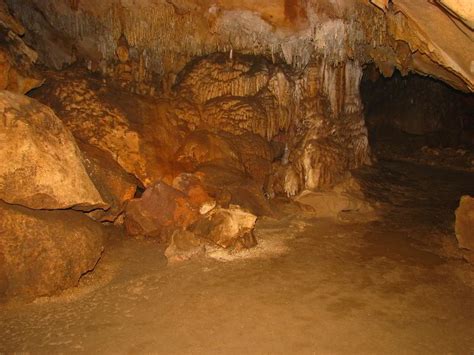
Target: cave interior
200	177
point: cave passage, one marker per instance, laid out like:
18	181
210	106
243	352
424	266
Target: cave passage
418	119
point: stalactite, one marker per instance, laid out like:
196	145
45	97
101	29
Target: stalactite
155	26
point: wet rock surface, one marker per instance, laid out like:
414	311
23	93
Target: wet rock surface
45	252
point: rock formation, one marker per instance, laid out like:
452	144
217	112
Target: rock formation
17	73
211	109
41	166
44	252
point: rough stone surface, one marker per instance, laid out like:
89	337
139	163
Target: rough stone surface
439	44
202	146
226	111
316	114
231	186
41	164
115	185
17	73
137	132
159	207
465	223
44	252
228	227
132	41
198	197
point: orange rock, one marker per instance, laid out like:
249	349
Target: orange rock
191	185
159	207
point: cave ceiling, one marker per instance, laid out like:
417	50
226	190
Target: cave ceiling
434	38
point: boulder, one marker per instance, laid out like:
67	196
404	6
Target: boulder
159	207
464	226
41	166
44	252
115	185
227	227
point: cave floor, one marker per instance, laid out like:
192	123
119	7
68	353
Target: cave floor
396	285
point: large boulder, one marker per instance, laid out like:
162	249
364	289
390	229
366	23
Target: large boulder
465	223
41	164
44	252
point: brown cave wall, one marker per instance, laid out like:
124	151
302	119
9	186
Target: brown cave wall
309	123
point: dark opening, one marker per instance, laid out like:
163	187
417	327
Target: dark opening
419	118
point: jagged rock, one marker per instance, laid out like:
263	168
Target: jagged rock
227	227
115	185
184	245
159	207
136	131
465	223
439	42
240	95
41	164
17	73
44	252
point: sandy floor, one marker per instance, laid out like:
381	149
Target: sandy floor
393	286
